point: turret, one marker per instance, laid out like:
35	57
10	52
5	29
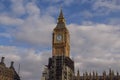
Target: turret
110	74
11	65
78	75
90	75
2	61
84	77
118	76
86	74
96	76
104	75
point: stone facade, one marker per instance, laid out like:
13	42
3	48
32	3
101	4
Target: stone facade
8	73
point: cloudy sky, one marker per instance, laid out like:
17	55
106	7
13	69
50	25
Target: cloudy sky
26	34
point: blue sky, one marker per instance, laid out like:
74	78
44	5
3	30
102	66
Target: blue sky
26	32
77	12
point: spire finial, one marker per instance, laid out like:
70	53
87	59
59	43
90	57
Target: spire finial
61	13
61	17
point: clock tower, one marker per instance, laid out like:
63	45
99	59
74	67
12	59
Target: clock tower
60	66
61	38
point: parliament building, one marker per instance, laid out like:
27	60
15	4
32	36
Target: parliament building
61	66
8	73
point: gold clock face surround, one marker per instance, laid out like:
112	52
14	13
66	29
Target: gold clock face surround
59	37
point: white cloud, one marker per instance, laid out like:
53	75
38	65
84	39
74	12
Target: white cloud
60	2
99	7
31	29
68	2
36	30
32	9
114	21
6	20
94	47
1	6
51	10
5	35
17	7
87	14
106	6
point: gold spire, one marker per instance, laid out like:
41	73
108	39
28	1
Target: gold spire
61	17
61	14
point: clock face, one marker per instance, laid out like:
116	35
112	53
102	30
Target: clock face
59	37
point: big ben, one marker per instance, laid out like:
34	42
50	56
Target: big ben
60	66
61	38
